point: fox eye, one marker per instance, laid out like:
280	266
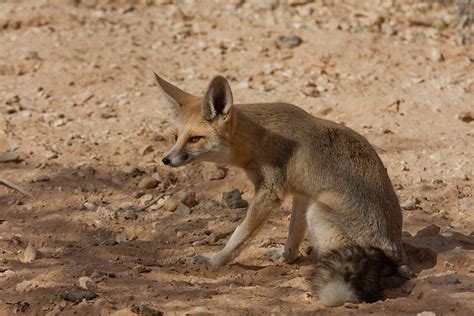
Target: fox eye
194	139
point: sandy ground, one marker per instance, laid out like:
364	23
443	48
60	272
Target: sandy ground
83	123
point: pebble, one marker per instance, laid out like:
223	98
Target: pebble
120	238
201	242
87	283
89	206
466	117
145	310
408	204
170	204
426	313
79	296
146	150
265	4
138	194
141	269
311	91
351	306
185	196
26	286
289	41
148	183
130	215
213	172
429	231
9	157
451	279
30	254
146	199
50	154
233	199
182	210
436	54
216	236
125	206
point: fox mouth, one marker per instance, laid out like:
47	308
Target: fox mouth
179	161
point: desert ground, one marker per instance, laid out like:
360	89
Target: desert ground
83	128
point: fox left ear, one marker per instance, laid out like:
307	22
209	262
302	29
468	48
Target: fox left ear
217	100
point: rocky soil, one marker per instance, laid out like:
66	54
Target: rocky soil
83	129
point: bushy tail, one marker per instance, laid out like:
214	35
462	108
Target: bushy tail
353	274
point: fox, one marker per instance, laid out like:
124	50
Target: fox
342	194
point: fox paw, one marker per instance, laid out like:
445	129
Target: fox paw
279	255
201	260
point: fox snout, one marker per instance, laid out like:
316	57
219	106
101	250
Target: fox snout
175	160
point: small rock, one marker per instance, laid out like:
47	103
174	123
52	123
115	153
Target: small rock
138	194
146	199
89	206
311	91
145	310
408	204
351	306
426	313
145	150
125	206
141	269
387	29
429	231
120	238
233	199
79	296
59	123
186	196
201	242
214	172
26	286
182	210
289	41
9	157
148	183
216	236
130	215
170	204
50	154
200	310
267	242
7	274
265	4
451	279
436	54
466	117
41	178
87	283
30	254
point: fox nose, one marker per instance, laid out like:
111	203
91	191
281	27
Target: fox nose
166	161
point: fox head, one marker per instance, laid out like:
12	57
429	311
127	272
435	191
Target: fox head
204	125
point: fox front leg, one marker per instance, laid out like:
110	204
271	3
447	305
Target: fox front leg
264	201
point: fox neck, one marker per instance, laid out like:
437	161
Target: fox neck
247	142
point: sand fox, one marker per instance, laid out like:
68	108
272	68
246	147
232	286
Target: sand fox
341	190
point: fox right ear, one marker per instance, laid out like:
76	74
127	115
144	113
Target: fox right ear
217	100
174	96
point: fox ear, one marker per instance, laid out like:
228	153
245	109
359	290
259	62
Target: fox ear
217	100
174	96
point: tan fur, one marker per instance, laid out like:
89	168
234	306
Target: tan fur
339	183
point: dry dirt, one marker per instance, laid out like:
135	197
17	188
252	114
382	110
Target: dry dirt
83	123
